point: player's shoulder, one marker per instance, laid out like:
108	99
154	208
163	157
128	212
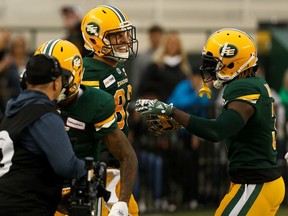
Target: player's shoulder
248	89
94	68
96	101
244	86
97	95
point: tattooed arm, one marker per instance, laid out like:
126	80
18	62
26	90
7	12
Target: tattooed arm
119	145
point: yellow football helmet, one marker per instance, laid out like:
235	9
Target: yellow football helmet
70	59
226	54
105	27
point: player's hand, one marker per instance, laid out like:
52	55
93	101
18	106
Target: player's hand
146	106
161	125
119	209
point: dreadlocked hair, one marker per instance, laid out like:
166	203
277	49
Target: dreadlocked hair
250	72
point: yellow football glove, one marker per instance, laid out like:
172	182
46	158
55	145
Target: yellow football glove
160	125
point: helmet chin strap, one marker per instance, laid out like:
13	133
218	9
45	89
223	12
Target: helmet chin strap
217	84
62	95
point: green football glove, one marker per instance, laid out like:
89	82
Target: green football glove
146	106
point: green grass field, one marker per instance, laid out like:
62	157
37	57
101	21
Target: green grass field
283	211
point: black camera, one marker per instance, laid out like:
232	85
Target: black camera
86	191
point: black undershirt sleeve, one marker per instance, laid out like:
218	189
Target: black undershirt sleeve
228	123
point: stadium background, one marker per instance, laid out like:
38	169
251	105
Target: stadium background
265	20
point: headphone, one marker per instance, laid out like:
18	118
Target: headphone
23	78
56	71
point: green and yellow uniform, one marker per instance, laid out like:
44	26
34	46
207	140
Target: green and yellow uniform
86	127
251	148
87	120
113	80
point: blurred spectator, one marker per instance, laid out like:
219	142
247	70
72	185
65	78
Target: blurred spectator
284	93
155	34
170	66
283	96
148	185
189	87
9	76
282	100
186	96
72	21
19	52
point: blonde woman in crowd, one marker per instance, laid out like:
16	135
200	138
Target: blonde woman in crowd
170	66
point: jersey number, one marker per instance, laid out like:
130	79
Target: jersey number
273	117
121	107
6	152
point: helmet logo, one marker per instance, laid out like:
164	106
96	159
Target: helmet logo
76	63
230	51
92	29
118	70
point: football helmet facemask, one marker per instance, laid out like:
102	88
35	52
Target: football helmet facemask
70	59
226	54
108	32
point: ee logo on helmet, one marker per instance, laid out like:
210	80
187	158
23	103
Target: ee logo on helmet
76	63
92	29
230	51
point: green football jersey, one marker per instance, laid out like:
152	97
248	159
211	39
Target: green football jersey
112	80
248	149
88	119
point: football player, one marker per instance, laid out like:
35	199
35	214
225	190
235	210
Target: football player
246	124
111	38
89	116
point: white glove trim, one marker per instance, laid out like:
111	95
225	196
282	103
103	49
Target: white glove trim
114	175
119	209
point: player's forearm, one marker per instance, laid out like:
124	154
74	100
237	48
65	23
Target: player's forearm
227	124
119	145
181	117
128	172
